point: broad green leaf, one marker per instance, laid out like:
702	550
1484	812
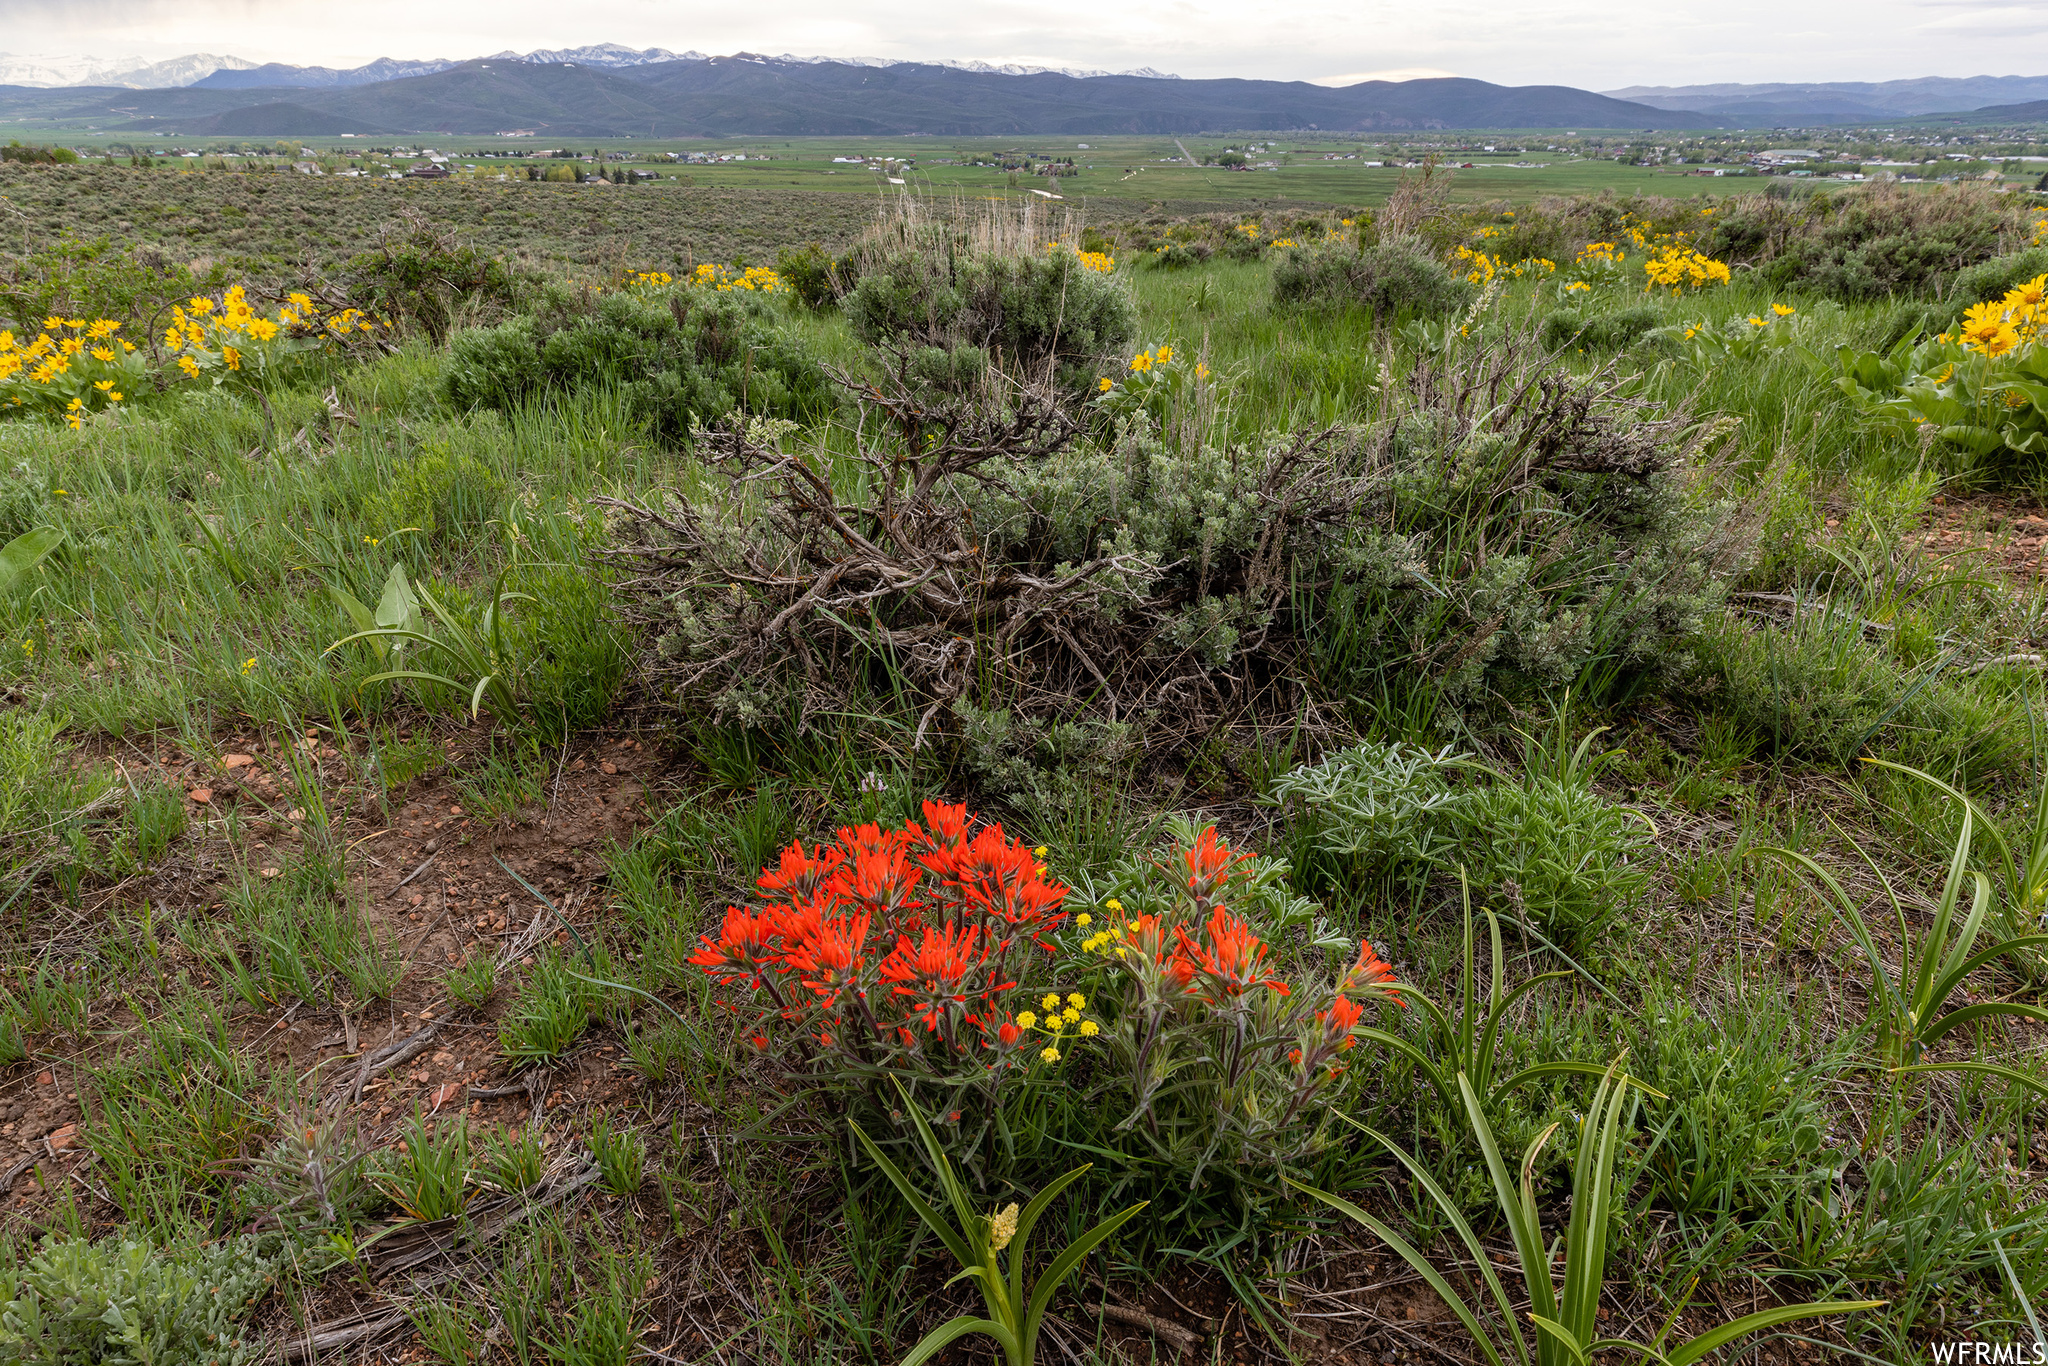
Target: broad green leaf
25	552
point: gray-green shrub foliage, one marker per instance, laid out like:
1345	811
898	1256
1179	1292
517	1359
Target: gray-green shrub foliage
126	1302
681	359
1498	546
1394	278
1035	313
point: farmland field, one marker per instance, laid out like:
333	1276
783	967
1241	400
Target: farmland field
598	774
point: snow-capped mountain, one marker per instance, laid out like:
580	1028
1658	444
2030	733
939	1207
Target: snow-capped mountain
598	54
135	72
213	71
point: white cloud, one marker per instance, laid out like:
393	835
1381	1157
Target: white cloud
1566	42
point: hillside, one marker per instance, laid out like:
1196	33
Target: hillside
1838	102
764	96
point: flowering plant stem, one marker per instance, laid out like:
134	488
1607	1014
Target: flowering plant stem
977	1241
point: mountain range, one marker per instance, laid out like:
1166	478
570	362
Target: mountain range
1835	102
749	94
234	73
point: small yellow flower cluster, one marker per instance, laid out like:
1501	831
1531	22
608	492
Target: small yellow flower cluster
1101	262
654	279
1101	941
1676	267
1060	1016
724	279
1281	242
1483	267
1601	253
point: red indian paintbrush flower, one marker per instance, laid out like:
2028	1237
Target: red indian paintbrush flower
1232	961
1210	863
829	962
798	876
743	947
880	879
945	827
932	971
1339	1020
1371	975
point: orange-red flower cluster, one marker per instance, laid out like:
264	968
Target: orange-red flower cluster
891	941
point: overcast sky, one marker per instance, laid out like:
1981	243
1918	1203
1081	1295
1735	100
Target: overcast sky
1566	42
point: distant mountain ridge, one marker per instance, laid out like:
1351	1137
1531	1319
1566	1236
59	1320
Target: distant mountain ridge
211	72
751	94
1825	102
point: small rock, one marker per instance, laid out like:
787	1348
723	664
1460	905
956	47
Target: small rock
295	814
202	795
45	1079
235	761
272	872
454	810
64	1138
607	767
453	1090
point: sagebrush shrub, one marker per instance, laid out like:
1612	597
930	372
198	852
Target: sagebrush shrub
1394	278
1869	243
1107	570
814	275
681	358
1037	313
1993	278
